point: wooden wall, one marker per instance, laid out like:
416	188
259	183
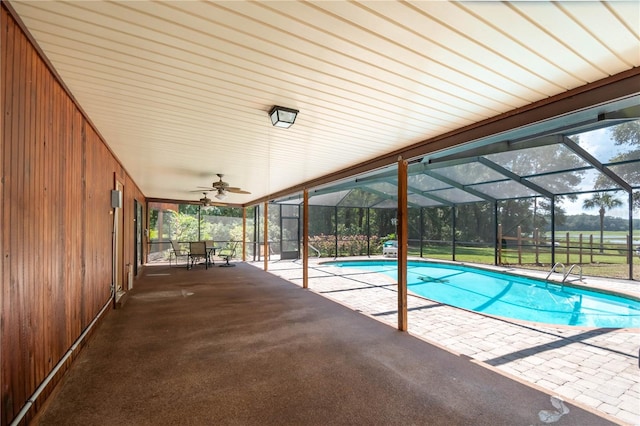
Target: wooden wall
56	244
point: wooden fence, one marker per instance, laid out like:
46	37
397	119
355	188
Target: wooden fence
565	246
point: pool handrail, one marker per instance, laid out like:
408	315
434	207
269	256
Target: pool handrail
569	272
314	249
553	269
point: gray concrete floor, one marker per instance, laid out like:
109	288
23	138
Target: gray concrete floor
238	346
595	368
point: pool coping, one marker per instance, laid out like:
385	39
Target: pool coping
635	296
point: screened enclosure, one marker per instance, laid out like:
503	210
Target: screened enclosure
571	197
184	223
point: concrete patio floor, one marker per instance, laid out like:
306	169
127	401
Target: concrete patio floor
596	368
238	346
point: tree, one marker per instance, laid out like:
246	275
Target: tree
604	201
625	135
437	223
184	227
629	134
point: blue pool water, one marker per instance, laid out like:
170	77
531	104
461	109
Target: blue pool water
512	296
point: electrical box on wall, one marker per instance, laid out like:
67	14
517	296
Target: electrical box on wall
116	199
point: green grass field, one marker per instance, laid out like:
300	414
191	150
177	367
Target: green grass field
613	237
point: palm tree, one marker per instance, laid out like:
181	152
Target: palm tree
604	201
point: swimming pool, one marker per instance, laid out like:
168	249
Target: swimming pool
511	296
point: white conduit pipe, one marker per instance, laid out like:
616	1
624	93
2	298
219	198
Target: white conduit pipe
59	365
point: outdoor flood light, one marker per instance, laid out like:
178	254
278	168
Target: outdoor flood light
283	117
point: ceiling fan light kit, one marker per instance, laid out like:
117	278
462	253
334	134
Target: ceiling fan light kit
205	200
282	116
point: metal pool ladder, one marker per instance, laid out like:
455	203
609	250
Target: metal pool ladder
571	269
564	274
314	249
553	269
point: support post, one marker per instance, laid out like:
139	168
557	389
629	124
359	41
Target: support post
630	242
244	234
403	244
256	233
281	227
368	234
497	232
266	236
580	249
453	233
335	217
305	239
519	245
536	241
553	230
500	247
421	229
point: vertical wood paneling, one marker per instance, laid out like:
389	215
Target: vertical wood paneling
75	218
5	46
37	225
84	206
9	317
57	174
17	297
46	202
28	216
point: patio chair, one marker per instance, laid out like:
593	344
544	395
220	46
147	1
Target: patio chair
228	252
177	252
197	251
390	248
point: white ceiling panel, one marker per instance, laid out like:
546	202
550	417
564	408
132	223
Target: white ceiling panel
180	90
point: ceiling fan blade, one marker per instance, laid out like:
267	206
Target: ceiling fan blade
237	191
221	187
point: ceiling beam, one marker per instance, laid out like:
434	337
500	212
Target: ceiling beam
495	148
459	186
627	114
431	196
515	177
597	164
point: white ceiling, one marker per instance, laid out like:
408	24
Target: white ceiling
180	90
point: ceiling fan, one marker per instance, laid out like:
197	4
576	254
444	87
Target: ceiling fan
221	188
206	201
